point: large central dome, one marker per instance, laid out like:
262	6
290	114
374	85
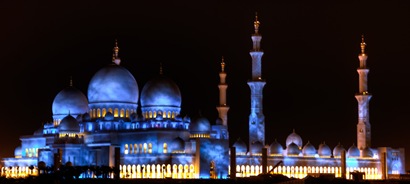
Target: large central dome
113	83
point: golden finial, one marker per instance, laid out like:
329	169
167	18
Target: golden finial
160	68
116	49
363	46
71	80
256	23
223	64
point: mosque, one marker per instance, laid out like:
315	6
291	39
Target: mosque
104	128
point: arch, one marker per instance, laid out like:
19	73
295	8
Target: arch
164	114
116	112
122	113
98	112
165	148
145	147
110	110
149	148
103	112
131	151
169	114
140	150
136	148
94	113
173	115
127	113
155	114
126	149
150	114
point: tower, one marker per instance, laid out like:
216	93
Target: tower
256	84
223	107
363	99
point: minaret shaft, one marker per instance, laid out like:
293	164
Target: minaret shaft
256	84
223	108
363	99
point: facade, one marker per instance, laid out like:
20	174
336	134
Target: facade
104	128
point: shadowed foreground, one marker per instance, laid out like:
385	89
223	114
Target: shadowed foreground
308	180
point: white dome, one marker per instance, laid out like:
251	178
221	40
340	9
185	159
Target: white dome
70	100
114	84
294	138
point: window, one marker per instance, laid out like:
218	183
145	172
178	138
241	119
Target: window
103	112
122	113
135	148
165	149
150	114
98	113
149	148
145	147
127	113
126	149
115	112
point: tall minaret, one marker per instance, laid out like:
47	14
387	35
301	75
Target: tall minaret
363	99
256	84
115	57
223	107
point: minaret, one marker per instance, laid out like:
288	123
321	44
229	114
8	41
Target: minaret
223	107
256	84
363	99
115	57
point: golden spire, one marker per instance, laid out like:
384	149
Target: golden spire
116	50
160	68
223	64
71	80
363	46
256	23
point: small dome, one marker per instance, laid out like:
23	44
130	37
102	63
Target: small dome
160	91
178	145
39	131
367	152
113	83
240	146
70	100
337	151
309	149
276	148
109	116
293	149
79	118
200	125
86	117
256	147
353	151
187	118
179	117
324	150
218	121
69	124
18	152
134	116
294	138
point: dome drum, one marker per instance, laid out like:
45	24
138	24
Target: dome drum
118	109
166	111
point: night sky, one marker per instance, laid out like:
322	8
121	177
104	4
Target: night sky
309	64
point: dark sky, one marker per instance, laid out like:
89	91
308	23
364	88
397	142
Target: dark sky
309	64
